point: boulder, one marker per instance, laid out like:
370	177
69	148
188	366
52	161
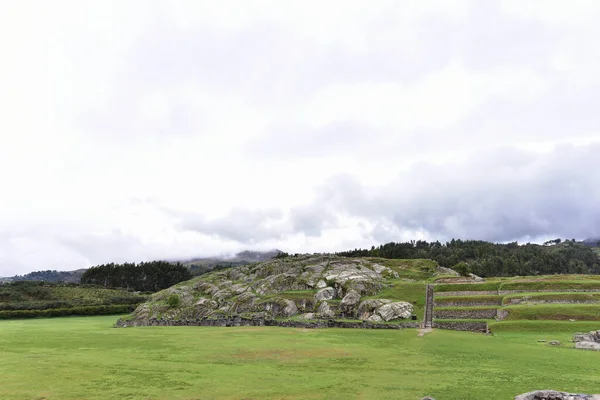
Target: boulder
367	307
587	341
327	293
307	316
400	309
554	395
325	310
476	278
374	318
554	343
279	307
588	346
350	300
446	271
290	309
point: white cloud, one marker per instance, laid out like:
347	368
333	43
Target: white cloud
118	118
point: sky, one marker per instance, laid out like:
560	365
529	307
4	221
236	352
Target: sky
141	130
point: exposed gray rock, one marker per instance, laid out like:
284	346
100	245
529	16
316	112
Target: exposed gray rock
587	341
279	307
554	343
325	310
446	271
476	278
367	307
385	271
239	288
400	309
375	318
308	316
260	289
327	293
290	309
554	395
588	346
350	300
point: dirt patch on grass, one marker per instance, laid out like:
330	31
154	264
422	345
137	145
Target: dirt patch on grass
423	332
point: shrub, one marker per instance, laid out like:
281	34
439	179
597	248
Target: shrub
173	300
462	268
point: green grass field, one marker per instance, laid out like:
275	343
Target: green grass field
85	358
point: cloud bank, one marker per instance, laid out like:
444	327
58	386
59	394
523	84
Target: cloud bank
142	130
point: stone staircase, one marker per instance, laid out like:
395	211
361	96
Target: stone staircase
428	317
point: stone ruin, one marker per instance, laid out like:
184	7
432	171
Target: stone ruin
587	341
554	395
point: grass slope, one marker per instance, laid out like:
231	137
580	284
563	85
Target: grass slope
560	312
29	299
550	297
100	362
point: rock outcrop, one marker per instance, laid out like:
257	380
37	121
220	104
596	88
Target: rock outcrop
327	293
307	287
384	309
554	395
587	341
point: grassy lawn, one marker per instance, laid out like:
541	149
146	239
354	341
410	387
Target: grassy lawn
549	297
469	299
564	312
555	285
85	358
459	287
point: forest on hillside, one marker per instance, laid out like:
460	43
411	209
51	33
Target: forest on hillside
494	259
144	277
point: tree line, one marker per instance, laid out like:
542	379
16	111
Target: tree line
144	277
493	259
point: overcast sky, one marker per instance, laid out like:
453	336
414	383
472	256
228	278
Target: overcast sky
138	130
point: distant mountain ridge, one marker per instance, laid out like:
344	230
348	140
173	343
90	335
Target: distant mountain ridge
592	242
198	266
246	257
48	276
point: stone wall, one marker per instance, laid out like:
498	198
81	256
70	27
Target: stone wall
537	301
466	293
465	314
238	321
467	304
480	327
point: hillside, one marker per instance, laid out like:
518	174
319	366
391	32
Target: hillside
488	259
48	276
200	266
34	299
299	287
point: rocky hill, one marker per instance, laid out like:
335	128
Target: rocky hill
302	287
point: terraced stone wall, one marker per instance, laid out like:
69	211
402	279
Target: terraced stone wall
465	314
474	326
